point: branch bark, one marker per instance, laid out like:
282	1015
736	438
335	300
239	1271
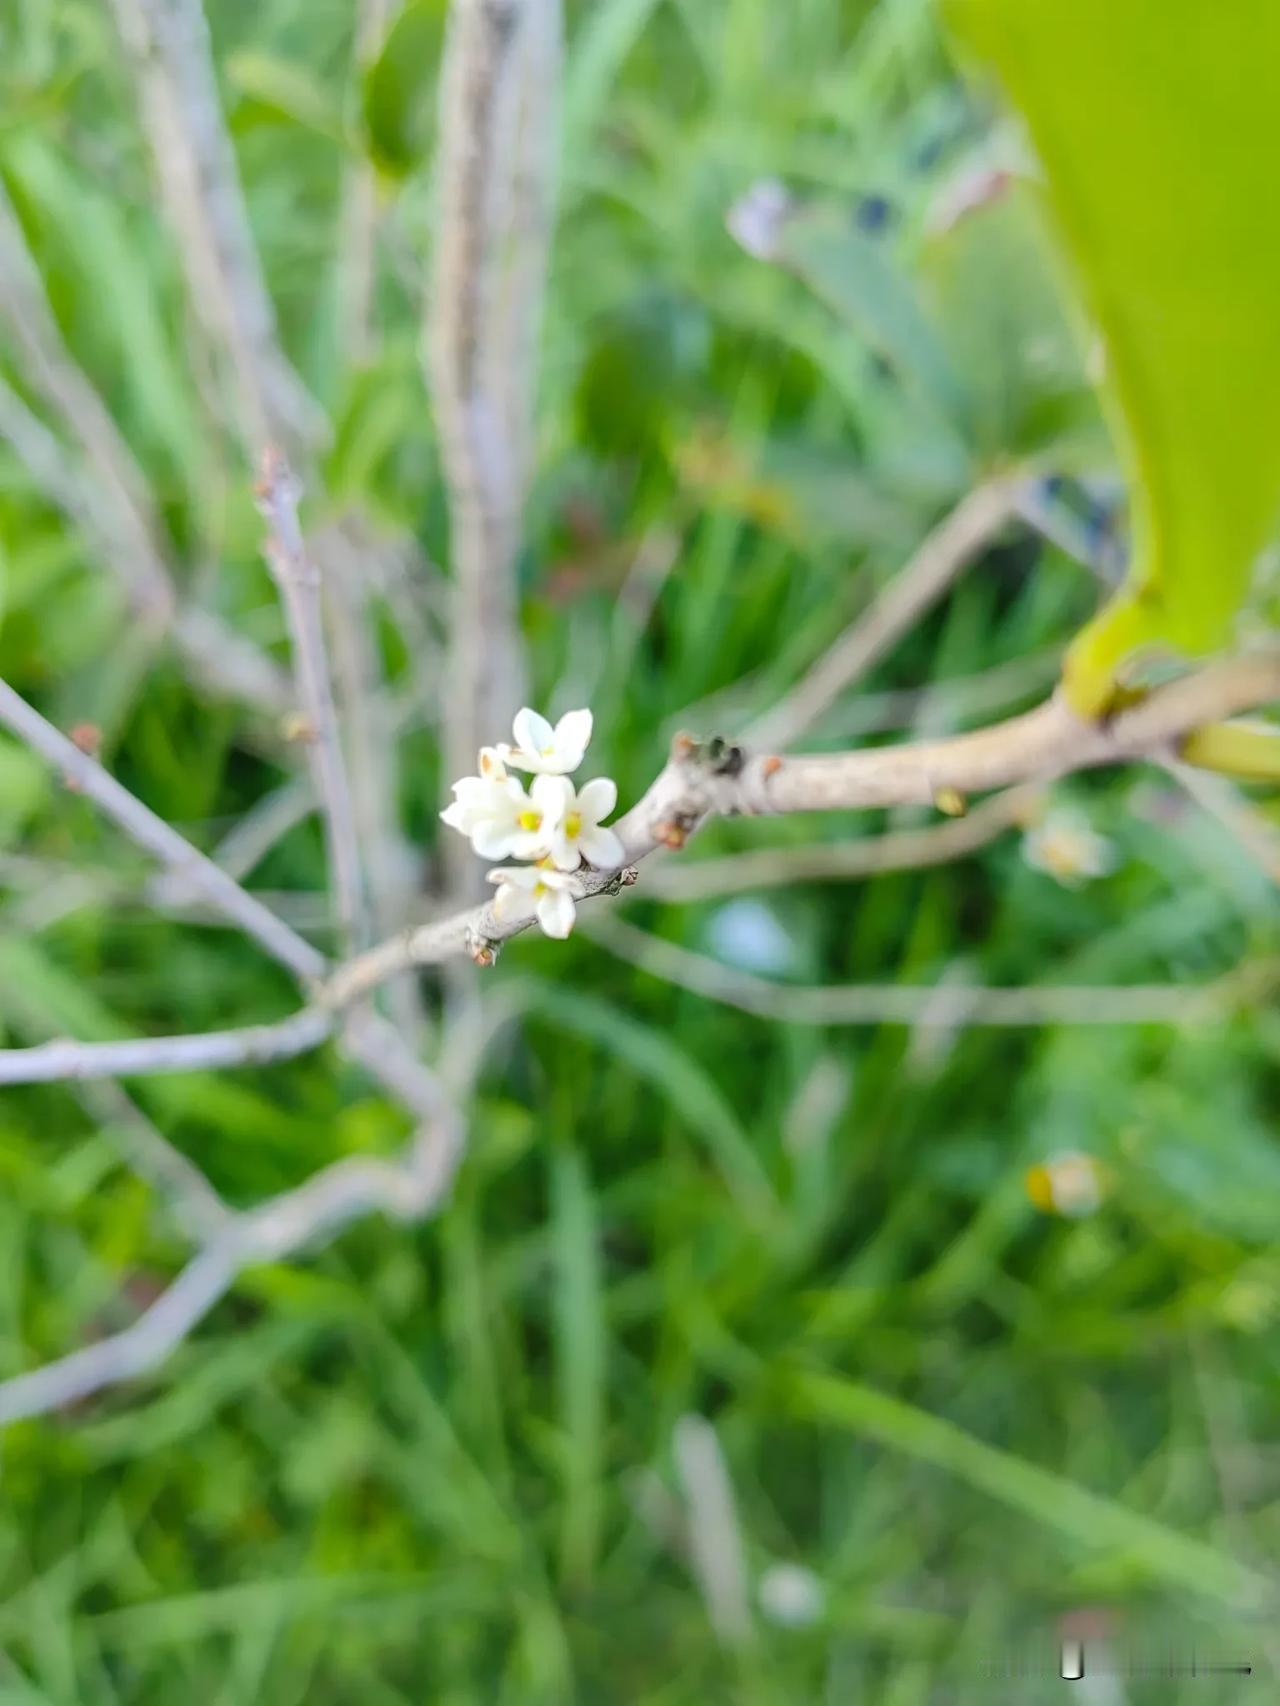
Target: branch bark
494	215
101	490
841	861
371	1041
942	1007
167	42
298	580
331	1199
899	606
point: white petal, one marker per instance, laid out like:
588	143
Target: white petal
573	734
562	852
458	817
597	799
533	733
519	759
601	848
555	913
529	844
510	903
553	796
514	876
556	879
493	839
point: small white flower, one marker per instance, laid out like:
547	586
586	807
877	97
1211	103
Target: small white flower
791	1595
576	831
1067	848
537	890
490	765
539	747
1069	1183
500	819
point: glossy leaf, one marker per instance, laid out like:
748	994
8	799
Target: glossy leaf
1158	128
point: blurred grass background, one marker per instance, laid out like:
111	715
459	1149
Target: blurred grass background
438	1464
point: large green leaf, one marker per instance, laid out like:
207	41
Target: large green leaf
1158	127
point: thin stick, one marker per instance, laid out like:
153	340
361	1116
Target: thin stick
1235	813
195	1205
896	610
367	717
105	499
697	782
168	45
298	579
192	1201
151	833
527	244
716	1552
332	1198
947	1006
490	255
76	404
840	861
376	1045
360	215
250	1045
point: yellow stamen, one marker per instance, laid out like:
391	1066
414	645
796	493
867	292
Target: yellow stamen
1038	1183
530	820
573	825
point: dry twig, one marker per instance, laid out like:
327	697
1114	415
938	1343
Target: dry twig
298	579
841	861
493	220
945	1006
167	42
898	607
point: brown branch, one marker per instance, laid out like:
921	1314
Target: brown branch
700	781
840	861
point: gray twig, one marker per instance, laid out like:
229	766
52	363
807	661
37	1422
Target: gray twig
913	590
168	45
298	579
682	880
102	492
946	1005
494	174
405	1190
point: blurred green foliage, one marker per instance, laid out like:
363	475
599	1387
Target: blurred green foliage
436	1464
1157	126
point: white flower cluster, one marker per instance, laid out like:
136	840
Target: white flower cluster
552	824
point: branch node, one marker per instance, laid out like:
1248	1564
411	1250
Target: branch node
483	950
950	802
722	758
298	729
